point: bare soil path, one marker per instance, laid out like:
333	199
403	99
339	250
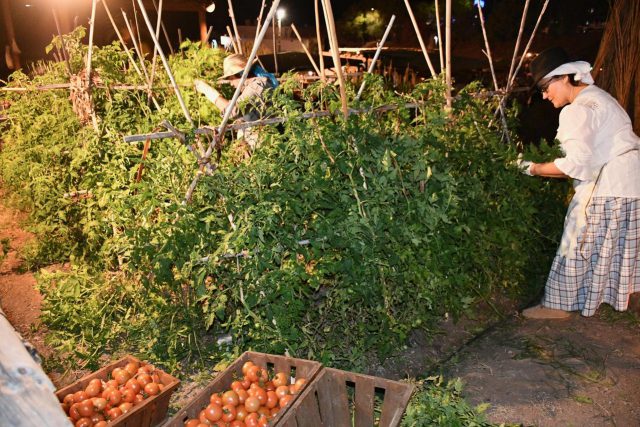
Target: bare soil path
576	372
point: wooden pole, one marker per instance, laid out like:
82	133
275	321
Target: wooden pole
119	35
179	37
135	46
164	29
493	73
235	27
154	61
202	22
275	52
420	40
233	40
333	39
26	393
319	36
304	47
440	36
448	52
135	17
517	47
94	120
528	46
375	57
165	63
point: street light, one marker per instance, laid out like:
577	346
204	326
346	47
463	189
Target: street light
280	14
211	7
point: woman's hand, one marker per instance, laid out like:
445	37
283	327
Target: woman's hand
203	88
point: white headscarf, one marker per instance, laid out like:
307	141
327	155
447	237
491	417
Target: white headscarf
581	69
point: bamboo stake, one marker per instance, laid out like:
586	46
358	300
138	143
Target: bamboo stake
124	45
333	39
235	27
135	17
154	61
164	29
273	37
420	40
319	36
94	119
135	45
64	45
179	37
517	47
448	52
528	46
375	57
233	42
304	47
259	19
440	36
208	130
493	73
165	63
219	133
209	31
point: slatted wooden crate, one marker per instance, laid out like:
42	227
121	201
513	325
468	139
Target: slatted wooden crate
339	398
296	368
151	412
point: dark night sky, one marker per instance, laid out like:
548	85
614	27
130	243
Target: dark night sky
35	25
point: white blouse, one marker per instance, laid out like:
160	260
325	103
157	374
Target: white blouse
595	131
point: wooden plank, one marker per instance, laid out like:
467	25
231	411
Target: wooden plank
364	402
26	393
308	411
332	396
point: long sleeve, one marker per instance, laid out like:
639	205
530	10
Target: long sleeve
577	134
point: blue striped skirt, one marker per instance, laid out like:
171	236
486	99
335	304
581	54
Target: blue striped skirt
604	267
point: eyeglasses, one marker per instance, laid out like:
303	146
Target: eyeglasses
543	86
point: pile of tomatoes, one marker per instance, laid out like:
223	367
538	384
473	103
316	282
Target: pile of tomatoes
103	401
252	400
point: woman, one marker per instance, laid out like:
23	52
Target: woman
598	260
252	91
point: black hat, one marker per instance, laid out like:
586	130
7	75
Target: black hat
547	61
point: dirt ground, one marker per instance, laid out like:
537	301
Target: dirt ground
575	372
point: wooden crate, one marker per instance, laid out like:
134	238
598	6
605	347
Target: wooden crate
151	412
298	368
339	398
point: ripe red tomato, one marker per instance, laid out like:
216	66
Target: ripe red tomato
229	413
79	396
237	385
114	397
99	403
84	422
242	395
132	368
272	399
252	404
122	377
216	399
128	395
192	423
253	373
100	424
280	379
144	379
284	401
114	413
126	407
261	394
246	366
85	408
241	412
151	389
282	391
213	412
134	385
252	420
230	397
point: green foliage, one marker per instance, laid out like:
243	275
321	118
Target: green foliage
435	403
333	241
